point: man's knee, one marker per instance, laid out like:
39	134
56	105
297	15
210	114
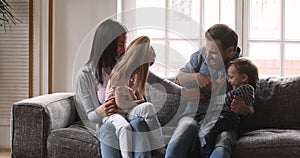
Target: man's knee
185	130
187	123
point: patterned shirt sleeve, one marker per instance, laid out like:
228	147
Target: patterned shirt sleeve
246	92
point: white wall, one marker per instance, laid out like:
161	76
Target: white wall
4	137
73	20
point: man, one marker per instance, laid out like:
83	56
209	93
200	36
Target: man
207	69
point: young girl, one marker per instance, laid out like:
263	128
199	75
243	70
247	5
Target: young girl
127	85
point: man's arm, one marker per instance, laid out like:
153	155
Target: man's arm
170	86
191	94
189	75
193	80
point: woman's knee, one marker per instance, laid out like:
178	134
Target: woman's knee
106	128
148	106
106	133
139	124
126	128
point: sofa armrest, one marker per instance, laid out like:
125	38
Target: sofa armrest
34	118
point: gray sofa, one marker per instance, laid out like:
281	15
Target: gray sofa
49	126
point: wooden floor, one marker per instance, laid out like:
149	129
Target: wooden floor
4	153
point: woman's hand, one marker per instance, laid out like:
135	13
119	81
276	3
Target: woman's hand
107	108
239	107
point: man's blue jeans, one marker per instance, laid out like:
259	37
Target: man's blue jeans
110	143
183	141
183	138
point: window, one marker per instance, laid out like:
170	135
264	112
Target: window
273	36
268	30
14	61
177	27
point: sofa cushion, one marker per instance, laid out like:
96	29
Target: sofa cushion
269	143
34	118
276	105
75	142
167	105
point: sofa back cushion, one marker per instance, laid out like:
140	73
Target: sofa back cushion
277	105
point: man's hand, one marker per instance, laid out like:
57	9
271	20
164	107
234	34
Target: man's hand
239	107
188	80
193	80
219	86
204	82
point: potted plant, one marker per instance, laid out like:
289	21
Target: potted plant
6	17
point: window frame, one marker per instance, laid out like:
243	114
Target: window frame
126	5
242	22
282	41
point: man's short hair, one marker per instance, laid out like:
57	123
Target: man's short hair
224	33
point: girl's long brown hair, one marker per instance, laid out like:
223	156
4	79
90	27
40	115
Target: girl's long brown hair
136	61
